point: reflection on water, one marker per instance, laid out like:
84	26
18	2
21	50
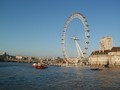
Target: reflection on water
22	76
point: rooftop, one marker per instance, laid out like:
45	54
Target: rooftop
98	52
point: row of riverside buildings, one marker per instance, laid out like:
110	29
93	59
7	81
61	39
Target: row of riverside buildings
106	55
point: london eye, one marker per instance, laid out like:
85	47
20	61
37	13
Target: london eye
81	51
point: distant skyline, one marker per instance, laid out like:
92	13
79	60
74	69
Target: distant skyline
34	27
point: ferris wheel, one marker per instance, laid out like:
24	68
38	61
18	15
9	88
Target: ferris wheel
81	52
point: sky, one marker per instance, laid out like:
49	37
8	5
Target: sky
34	27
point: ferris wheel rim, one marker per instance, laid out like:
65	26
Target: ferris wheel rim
81	17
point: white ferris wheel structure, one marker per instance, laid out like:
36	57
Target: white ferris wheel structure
81	51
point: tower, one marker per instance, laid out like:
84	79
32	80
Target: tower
106	43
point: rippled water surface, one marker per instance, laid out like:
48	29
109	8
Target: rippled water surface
22	76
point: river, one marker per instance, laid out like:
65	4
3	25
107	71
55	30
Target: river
22	76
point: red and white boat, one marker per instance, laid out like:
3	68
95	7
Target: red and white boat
39	66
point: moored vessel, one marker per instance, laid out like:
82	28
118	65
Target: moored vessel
39	65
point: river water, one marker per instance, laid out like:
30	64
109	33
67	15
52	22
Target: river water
22	76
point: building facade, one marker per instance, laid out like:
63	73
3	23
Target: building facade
107	55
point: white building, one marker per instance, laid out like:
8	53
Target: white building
106	55
19	57
106	43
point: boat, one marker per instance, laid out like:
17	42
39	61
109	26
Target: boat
39	65
97	69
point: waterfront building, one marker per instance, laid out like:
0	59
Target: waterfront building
19	57
107	55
